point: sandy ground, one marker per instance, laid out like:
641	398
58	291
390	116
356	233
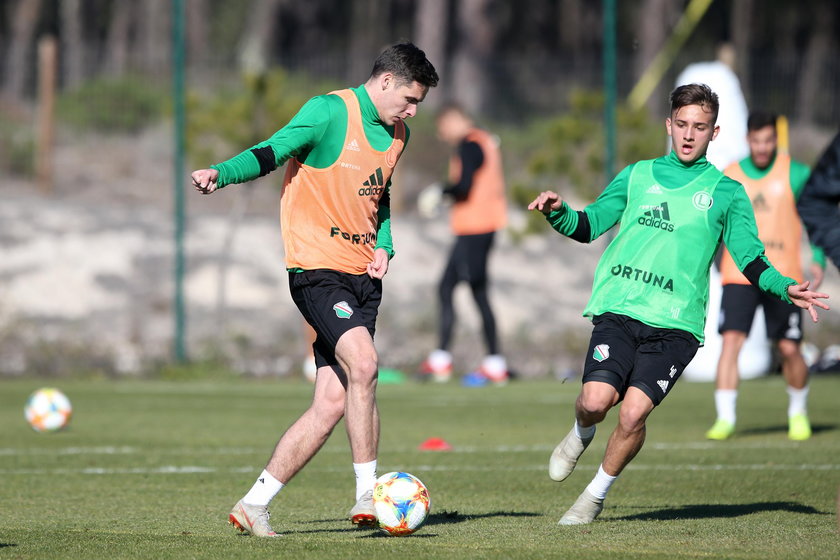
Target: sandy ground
86	278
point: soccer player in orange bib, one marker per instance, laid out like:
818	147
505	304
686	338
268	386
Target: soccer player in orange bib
477	186
335	219
773	182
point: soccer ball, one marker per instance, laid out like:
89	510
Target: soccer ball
47	410
402	503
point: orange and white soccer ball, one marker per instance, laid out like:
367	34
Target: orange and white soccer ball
48	410
402	503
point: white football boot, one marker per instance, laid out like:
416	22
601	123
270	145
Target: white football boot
565	456
251	519
363	514
585	509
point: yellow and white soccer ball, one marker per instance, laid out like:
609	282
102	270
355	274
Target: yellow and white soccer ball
402	503
48	410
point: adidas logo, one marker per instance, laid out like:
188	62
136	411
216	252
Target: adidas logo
663	384
353	146
657	217
655	189
375	185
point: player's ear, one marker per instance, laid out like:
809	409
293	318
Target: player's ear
386	80
715	132
668	125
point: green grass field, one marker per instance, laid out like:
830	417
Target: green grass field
149	469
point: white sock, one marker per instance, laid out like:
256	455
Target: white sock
725	404
798	403
494	365
365	477
584	433
440	359
263	490
600	485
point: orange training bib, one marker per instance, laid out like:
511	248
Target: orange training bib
778	222
485	209
328	217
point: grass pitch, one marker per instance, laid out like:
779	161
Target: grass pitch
150	470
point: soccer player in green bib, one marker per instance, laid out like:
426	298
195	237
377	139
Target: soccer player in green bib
651	286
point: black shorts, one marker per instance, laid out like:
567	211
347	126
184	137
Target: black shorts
737	309
627	353
332	303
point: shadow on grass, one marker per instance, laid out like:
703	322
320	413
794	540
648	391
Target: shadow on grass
448	517
711	511
6	544
782	428
442	518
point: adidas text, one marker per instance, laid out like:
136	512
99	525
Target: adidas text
375	185
657	217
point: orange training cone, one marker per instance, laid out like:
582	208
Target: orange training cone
435	444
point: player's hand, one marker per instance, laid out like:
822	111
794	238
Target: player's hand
547	202
430	200
802	297
378	267
817	275
205	181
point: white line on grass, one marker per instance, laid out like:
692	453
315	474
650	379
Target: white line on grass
235	451
193	469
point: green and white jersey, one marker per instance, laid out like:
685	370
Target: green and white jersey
672	219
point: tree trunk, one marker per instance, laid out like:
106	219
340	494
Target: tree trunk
198	30
819	49
254	51
741	31
154	33
431	28
72	44
653	30
119	38
477	34
572	31
365	43
19	61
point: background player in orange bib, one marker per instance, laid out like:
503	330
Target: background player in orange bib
773	182
335	219
477	185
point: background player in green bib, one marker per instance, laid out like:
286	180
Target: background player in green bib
651	286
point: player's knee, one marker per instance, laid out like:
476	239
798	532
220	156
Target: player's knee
364	369
632	416
594	404
789	349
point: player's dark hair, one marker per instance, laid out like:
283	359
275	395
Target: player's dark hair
408	63
759	119
695	94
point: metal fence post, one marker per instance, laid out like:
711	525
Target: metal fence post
180	348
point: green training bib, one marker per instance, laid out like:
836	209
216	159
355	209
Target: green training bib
656	270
